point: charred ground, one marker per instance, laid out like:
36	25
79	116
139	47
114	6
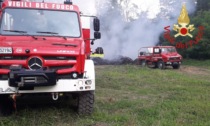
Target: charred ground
121	60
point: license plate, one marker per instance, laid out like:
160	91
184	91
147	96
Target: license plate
5	50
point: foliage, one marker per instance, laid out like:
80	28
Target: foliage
200	18
203	5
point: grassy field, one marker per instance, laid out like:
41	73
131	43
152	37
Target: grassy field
129	95
199	63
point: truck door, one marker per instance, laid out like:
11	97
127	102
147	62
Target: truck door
156	53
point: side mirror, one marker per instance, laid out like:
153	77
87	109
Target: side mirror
1	3
96	24
97	35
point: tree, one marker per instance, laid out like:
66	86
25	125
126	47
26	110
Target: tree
203	5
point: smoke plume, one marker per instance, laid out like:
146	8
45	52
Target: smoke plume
128	25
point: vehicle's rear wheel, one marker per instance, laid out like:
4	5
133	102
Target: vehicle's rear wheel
6	105
177	66
85	102
161	65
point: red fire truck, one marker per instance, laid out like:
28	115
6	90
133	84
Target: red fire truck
45	49
159	57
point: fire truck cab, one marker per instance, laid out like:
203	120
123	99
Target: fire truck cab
44	49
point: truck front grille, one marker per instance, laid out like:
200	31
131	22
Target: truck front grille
55	67
3	77
59	57
60	67
174	58
14	57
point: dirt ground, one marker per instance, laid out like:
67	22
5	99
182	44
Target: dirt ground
194	70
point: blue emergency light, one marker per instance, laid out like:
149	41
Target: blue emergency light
68	2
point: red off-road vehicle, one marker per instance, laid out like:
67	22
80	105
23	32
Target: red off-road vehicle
159	57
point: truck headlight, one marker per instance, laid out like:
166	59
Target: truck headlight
88	82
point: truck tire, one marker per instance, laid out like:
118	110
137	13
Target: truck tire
161	65
177	66
85	102
6	105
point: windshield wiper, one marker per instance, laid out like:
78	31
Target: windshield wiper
52	33
64	44
19	31
47	32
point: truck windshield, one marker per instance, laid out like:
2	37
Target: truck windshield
168	50
40	22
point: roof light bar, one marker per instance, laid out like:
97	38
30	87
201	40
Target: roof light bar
68	2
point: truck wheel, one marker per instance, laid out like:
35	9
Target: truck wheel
143	63
177	66
85	102
161	65
155	65
6	105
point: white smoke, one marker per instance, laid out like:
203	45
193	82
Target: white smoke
128	25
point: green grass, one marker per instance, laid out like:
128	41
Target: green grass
190	62
129	95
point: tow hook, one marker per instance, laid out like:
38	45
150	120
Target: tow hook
55	96
14	97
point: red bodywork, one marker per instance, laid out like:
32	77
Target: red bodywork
152	57
86	34
65	59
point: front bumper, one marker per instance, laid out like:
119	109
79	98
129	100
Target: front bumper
62	85
87	83
31	78
173	62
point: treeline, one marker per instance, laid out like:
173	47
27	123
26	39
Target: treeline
197	47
